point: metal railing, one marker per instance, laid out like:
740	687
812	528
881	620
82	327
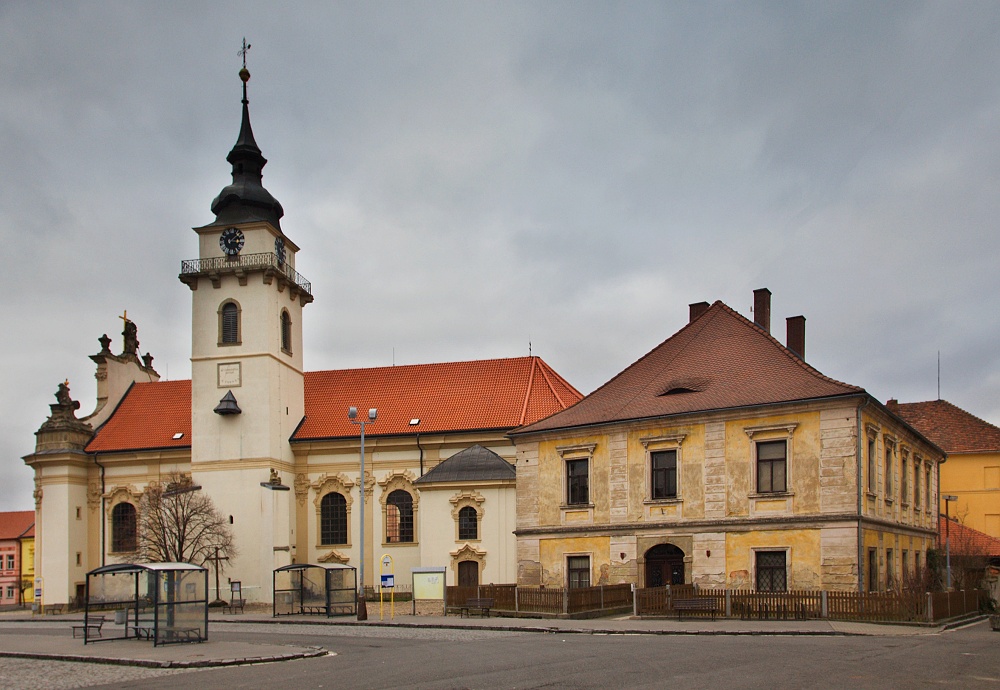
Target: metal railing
246	262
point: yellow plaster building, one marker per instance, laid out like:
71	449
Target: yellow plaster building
721	458
972	472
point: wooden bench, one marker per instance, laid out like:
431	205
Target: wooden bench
91	627
483	606
699	605
233	605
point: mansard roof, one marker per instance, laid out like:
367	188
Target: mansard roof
720	360
948	426
480	395
474	464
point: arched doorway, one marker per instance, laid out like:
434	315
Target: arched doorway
664	566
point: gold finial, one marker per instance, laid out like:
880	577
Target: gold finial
66	383
242	52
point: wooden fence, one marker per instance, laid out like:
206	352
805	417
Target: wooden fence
546	600
806	604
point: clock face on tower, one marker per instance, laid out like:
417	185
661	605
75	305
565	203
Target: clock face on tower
231	241
279	249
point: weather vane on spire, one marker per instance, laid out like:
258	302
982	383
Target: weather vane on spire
242	52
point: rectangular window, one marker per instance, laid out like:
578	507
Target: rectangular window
664	474
771	573
578	482
890	573
927	487
888	472
771	467
10	592
872	481
578	568
10	561
905	564
904	479
916	485
872	570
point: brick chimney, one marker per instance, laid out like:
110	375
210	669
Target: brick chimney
696	310
796	335
762	308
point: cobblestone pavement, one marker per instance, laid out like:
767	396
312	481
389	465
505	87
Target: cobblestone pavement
46	674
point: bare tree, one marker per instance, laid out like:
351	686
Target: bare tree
178	523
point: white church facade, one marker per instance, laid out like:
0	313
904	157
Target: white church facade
272	444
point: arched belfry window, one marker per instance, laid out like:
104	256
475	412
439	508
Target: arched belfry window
286	331
333	519
123	528
229	323
399	517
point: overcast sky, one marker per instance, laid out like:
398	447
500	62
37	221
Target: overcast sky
465	178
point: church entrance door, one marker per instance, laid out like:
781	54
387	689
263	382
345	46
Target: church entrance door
468	574
664	566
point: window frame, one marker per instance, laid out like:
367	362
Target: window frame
654	446
575	454
405	524
120	543
222	323
872	567
888	469
285	331
917	471
904	476
771	433
771	463
575	572
783	569
328	524
464	524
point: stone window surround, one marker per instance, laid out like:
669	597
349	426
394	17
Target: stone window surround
872	432
468	552
771	432
117	495
342	485
590	565
904	475
578	451
653	444
282	316
399	480
890	444
788	564
468	499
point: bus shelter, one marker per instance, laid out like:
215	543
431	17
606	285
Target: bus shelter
325	590
162	602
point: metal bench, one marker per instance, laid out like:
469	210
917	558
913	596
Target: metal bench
90	628
699	605
483	606
233	605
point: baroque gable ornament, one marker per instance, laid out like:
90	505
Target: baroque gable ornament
301	488
398	480
338	483
334	556
464	499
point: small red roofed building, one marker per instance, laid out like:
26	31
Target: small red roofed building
972	471
721	458
975	556
15	531
271	444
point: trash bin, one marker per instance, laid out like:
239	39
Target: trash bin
121	615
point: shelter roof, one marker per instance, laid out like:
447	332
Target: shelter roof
474	464
493	394
717	361
966	541
16	524
948	426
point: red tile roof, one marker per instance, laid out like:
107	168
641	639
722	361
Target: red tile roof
720	360
18	523
148	417
495	394
949	427
966	541
482	394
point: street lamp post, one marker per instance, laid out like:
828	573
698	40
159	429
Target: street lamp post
948	498
352	414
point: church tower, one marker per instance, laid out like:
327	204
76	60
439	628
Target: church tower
246	364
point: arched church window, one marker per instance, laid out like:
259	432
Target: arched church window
286	331
399	517
468	523
229	323
123	530
333	519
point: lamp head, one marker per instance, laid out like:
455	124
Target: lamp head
372	414
352	413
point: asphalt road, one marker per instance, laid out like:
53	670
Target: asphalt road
388	658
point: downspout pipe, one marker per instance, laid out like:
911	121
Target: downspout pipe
101	516
861	545
421	455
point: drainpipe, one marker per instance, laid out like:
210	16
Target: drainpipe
421	455
101	515
861	545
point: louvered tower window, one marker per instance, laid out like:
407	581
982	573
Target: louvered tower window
230	323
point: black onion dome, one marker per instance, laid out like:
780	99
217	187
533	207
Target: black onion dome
246	199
